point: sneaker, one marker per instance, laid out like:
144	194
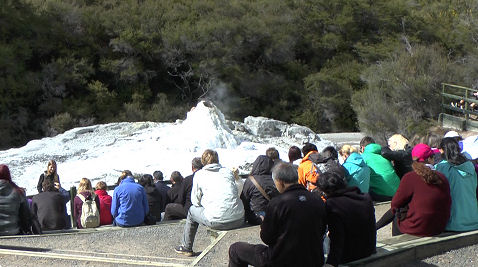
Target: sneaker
184	251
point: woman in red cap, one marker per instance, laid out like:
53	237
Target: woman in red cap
421	205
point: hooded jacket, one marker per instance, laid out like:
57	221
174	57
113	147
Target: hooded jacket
105	207
251	197
214	189
359	172
383	179
14	211
464	204
351	222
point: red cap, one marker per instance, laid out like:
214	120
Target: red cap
421	152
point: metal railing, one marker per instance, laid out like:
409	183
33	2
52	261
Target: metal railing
452	95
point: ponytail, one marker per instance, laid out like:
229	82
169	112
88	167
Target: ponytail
428	175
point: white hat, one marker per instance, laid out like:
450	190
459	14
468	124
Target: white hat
452	134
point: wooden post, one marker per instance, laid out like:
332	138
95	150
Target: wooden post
72	206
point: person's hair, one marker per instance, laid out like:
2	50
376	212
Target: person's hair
101	186
330	182
307	148
176	177
146	180
50	163
347	150
48	185
294	153
196	163
366	140
85	185
158	175
451	151
285	172
428	175
400	140
5	175
330	152
209	156
272	153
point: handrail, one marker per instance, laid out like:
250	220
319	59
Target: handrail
465	95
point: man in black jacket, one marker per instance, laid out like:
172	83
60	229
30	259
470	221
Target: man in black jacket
180	208
293	227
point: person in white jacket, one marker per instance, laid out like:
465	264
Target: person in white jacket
215	201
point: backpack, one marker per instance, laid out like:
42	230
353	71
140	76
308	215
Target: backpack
90	216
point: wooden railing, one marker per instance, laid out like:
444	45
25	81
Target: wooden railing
451	97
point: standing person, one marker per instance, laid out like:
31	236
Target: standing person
176	181
85	192
383	179
350	220
105	203
50	173
15	216
163	189
306	168
215	199
154	198
461	176
359	171
130	205
49	207
179	209
254	200
293	227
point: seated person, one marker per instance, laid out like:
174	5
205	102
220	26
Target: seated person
179	209
359	171
129	206
105	203
293	227
254	201
400	153
350	220
215	201
15	216
154	198
461	176
176	181
49	207
383	179
85	192
163	189
295	155
421	205
306	167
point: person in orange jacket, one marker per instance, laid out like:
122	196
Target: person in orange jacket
306	169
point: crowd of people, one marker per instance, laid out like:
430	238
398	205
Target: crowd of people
316	202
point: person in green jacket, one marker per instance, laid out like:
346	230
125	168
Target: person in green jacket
383	179
359	172
461	176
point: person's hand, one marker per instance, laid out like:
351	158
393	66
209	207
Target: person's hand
57	185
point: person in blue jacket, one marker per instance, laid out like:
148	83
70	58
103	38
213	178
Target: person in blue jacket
130	205
461	176
359	171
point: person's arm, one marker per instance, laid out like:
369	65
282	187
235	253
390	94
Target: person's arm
337	239
40	183
196	193
25	216
269	226
97	201
404	193
65	194
389	154
114	205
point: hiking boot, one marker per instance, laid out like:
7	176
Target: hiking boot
184	251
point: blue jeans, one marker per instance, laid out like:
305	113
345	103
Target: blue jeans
196	217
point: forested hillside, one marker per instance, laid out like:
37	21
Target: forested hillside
337	65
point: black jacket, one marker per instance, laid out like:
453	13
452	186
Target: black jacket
53	178
49	208
173	193
351	222
163	191
293	228
251	197
15	216
155	201
402	159
184	194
